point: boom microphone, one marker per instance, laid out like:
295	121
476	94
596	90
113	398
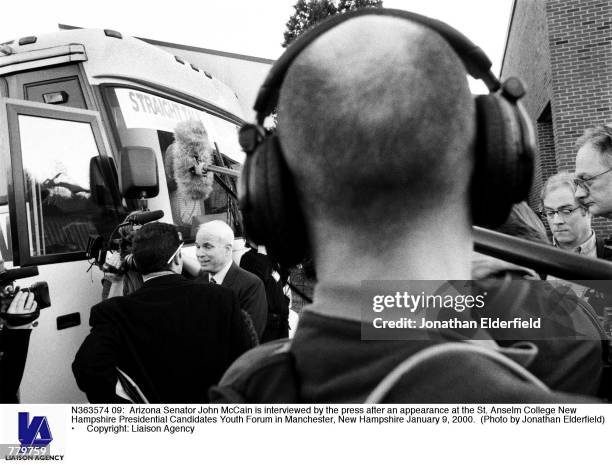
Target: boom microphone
544	258
144	217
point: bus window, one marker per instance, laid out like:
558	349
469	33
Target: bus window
60	213
66	91
144	119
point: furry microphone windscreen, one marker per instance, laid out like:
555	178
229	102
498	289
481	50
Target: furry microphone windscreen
187	159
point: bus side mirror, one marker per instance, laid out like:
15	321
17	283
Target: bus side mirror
103	181
139	179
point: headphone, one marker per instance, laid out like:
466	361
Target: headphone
504	148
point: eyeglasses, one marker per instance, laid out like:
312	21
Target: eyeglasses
563	212
178	249
584	182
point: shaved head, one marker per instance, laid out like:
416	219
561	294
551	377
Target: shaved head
377	123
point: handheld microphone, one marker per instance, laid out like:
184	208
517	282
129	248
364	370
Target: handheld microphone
18	273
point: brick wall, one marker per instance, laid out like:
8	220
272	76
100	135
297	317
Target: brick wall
562	49
580	41
532	65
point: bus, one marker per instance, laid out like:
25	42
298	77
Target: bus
87	121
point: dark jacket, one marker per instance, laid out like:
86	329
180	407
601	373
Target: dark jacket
604	248
333	360
174	337
251	294
277	325
13	353
327	362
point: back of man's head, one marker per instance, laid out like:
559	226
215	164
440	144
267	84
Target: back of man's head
377	124
153	245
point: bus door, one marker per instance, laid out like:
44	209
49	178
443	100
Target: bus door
55	192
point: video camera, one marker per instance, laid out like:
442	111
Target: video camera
97	248
8	291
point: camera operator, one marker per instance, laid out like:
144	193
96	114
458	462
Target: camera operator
120	275
14	342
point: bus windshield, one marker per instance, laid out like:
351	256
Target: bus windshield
144	119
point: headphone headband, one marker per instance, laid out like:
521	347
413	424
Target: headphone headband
474	59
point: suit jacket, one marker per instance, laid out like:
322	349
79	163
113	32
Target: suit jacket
251	294
277	326
174	337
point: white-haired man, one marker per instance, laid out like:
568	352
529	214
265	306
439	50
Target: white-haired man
214	242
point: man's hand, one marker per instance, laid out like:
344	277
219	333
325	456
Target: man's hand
113	259
22	304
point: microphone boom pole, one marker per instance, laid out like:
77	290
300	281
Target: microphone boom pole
544	258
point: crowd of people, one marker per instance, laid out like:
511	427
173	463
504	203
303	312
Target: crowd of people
380	140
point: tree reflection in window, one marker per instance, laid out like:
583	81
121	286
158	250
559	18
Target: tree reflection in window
56	158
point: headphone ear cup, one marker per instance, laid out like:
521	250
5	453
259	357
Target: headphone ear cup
269	205
503	167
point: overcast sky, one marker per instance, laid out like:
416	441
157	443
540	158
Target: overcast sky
250	27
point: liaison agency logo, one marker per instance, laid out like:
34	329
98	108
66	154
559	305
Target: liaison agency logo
34	433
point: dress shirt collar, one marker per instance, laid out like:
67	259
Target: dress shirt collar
588	248
219	276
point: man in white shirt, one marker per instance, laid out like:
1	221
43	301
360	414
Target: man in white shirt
569	221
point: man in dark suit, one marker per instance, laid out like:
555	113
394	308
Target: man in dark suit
214	242
174	337
277	325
